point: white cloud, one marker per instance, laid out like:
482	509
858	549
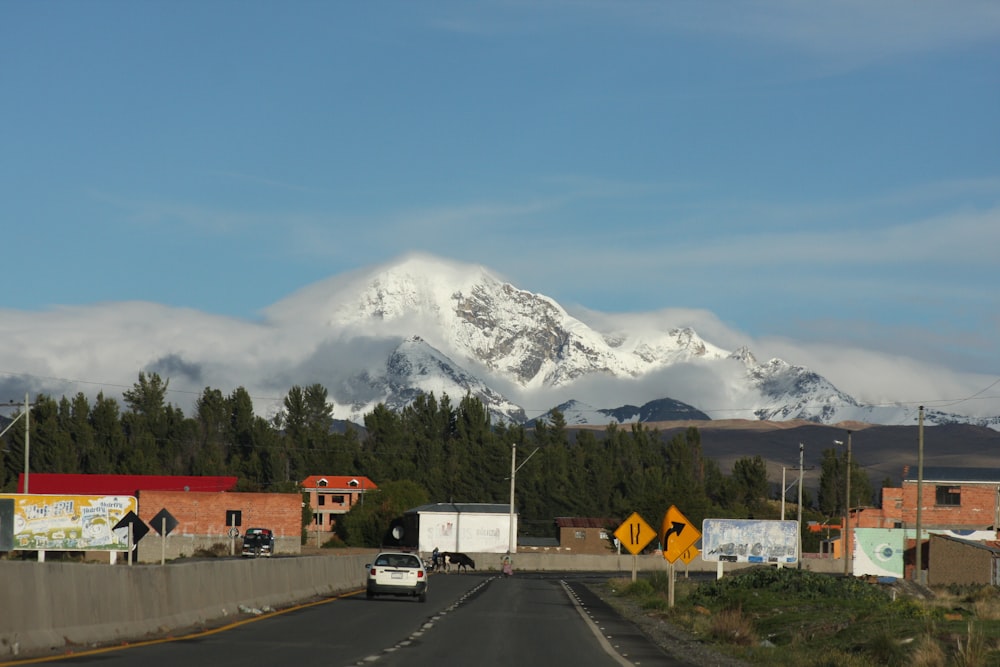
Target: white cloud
886	378
103	348
848	32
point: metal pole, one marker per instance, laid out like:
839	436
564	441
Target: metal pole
27	439
671	585
847	520
801	469
512	543
917	574
783	493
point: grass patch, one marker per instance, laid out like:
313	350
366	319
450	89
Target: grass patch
217	550
785	616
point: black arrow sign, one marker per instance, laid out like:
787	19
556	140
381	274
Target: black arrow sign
675	529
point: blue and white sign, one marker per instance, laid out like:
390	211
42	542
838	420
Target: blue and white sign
749	541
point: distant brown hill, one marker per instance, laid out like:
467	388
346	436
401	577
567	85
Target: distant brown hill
883	451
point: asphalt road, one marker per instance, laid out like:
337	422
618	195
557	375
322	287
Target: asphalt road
469	619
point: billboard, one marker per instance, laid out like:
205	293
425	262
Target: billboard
749	541
464	531
878	552
69	523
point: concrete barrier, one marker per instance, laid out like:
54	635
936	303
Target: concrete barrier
551	561
64	605
56	605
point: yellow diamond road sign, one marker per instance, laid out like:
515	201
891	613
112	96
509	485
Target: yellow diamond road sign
689	555
634	534
677	534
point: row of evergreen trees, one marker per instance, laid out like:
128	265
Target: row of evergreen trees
454	453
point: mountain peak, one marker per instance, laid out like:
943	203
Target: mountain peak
466	331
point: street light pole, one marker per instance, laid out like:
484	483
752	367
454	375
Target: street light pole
512	543
783	489
846	527
785	486
27	439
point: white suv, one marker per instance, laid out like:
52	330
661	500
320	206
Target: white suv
397	573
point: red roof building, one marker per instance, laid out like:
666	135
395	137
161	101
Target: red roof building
121	485
330	495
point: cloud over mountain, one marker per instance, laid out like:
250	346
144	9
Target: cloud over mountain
422	324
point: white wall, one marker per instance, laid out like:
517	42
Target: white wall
464	532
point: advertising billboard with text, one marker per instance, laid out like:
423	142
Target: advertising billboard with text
69	523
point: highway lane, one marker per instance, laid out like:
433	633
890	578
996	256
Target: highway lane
469	619
527	621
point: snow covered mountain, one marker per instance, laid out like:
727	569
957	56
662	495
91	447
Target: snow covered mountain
458	329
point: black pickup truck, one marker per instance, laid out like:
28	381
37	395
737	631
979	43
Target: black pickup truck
258	542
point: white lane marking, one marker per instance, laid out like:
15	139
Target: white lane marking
605	644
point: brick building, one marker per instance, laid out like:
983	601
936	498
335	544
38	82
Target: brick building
961	501
586	535
332	495
574	535
951	497
202	520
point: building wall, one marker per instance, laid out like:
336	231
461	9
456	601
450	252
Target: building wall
201	520
464	532
334	503
953	562
584	540
977	509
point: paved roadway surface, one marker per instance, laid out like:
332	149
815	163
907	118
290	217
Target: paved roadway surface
469	619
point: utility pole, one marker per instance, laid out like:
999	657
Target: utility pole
917	574
27	434
848	547
27	439
845	526
802	449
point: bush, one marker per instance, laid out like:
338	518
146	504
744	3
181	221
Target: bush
217	550
800	583
639	588
731	626
334	543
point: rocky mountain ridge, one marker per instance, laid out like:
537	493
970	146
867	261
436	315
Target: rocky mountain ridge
458	329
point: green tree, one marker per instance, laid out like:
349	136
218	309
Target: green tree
367	524
109	437
213	437
833	484
749	480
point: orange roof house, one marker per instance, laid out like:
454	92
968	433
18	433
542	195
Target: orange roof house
330	495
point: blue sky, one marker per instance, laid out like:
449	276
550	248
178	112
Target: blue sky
818	180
